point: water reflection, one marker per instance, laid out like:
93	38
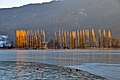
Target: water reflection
62	57
67	57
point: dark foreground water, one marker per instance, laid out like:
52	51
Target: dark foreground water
99	62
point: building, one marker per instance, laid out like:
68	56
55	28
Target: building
4	42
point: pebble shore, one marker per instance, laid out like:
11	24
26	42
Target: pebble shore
12	70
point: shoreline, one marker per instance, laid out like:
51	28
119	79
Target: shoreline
43	71
63	49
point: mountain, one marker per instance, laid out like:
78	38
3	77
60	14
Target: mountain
63	15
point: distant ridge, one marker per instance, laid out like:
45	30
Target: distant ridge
63	15
29	4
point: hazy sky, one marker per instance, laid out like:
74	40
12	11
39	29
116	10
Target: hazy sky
16	3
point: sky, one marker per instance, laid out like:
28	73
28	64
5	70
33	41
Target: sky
17	3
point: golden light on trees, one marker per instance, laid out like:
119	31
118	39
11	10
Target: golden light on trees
81	38
104	34
54	36
87	35
93	36
29	38
78	38
44	37
99	38
73	38
109	34
104	38
73	34
109	39
64	39
59	37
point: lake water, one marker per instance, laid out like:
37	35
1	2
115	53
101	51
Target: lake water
93	61
62	57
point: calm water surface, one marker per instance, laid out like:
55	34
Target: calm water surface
62	57
105	63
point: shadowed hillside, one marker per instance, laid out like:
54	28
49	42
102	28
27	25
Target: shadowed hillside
67	15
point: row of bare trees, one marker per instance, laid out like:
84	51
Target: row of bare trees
36	39
30	39
82	39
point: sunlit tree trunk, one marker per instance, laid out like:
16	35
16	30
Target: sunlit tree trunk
99	38
59	39
104	39
64	39
94	42
78	39
109	39
87	38
73	39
